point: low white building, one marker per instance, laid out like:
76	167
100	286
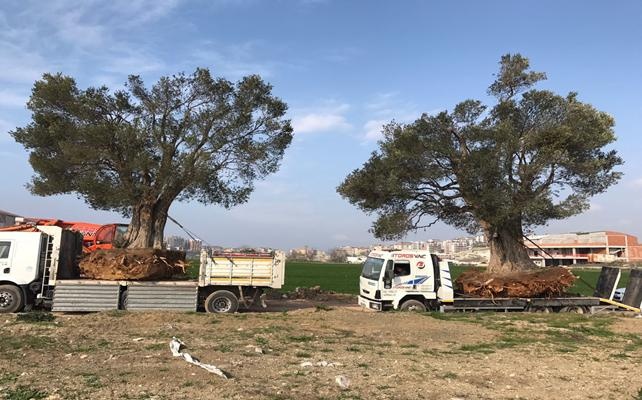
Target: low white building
7	218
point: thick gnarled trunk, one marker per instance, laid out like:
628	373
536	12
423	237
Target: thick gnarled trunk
147	225
507	250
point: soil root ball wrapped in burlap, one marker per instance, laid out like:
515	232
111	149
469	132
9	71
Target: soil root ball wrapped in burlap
546	282
132	264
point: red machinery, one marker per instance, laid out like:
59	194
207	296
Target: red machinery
95	236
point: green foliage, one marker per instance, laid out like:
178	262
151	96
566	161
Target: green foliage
588	279
7	377
344	278
531	157
341	278
564	332
137	150
24	393
36	317
300	338
92	380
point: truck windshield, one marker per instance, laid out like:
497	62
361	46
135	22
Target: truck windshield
372	268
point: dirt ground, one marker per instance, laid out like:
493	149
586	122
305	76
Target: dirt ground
280	354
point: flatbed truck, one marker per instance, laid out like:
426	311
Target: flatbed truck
416	280
39	268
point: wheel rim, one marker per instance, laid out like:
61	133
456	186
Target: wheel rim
415	307
6	299
545	310
221	305
574	310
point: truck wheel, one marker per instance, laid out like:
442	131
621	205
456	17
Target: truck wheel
575	309
541	309
11	299
413	305
221	301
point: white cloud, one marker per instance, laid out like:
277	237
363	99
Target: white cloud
19	65
320	122
237	60
77	33
382	102
325	118
384	108
373	129
233	62
128	62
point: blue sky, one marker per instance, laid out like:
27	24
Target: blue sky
344	68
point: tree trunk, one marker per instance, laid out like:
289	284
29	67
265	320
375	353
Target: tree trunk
160	219
147	225
507	250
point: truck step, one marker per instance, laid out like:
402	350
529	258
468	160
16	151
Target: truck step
74	297
153	297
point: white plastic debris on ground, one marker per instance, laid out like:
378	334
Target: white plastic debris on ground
320	364
176	346
342	381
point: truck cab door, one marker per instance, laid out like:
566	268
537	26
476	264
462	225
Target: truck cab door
388	274
6	251
445	290
402	273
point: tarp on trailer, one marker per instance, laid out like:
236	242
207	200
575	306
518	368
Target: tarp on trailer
607	282
633	293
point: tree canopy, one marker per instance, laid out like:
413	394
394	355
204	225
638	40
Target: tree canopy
188	137
531	157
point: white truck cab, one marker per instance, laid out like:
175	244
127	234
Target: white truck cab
30	262
405	280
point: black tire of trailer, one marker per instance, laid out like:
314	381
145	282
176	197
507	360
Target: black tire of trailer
12	298
413	305
222	302
540	309
576	309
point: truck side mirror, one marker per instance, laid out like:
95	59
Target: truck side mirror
388	275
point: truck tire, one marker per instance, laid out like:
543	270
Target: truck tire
413	305
575	309
540	309
221	301
11	299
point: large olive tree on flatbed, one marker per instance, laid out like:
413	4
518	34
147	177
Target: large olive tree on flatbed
531	157
139	149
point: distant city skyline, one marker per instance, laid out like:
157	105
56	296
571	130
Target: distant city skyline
380	61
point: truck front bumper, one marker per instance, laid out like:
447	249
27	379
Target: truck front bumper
370	304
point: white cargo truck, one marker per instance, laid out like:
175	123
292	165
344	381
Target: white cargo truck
404	280
414	280
39	268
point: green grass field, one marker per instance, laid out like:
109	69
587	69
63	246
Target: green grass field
344	278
